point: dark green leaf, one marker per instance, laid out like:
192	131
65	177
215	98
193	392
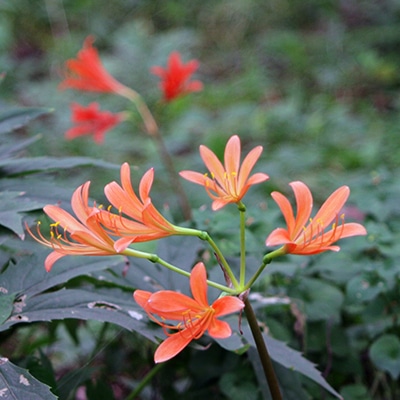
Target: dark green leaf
6	305
11	204
385	354
17	383
29	165
108	305
17	118
29	278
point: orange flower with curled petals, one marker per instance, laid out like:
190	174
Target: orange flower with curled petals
143	222
87	73
79	236
230	182
305	235
175	78
194	315
91	121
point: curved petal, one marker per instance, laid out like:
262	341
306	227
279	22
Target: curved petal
232	156
213	164
145	184
258	177
286	209
217	204
142	297
51	259
195	177
332	206
278	236
219	329
66	220
227	305
121	244
248	164
171	346
198	284
167	303
304	204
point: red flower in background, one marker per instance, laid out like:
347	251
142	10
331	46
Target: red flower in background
175	78
194	315
87	73
91	121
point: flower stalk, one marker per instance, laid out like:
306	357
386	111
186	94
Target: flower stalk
265	358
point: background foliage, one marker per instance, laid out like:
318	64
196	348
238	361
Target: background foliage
315	82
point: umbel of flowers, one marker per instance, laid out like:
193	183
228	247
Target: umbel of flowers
131	217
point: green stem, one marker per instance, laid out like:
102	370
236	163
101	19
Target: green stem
154	258
145	381
153	130
222	260
266	260
242	209
262	352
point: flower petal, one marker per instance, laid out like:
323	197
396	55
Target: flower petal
198	284
219	329
304	204
332	206
232	156
227	305
171	346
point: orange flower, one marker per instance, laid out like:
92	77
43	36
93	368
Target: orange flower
312	239
194	315
145	222
81	236
175	78
87	73
90	120
229	183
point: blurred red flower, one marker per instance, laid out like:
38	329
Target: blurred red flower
175	78
91	121
87	73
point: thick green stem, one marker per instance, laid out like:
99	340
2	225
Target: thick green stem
145	381
262	352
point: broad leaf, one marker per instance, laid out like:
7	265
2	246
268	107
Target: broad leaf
16	118
29	278
385	354
11	206
35	164
107	305
6	305
17	383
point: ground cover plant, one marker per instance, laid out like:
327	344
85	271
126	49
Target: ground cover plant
189	172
